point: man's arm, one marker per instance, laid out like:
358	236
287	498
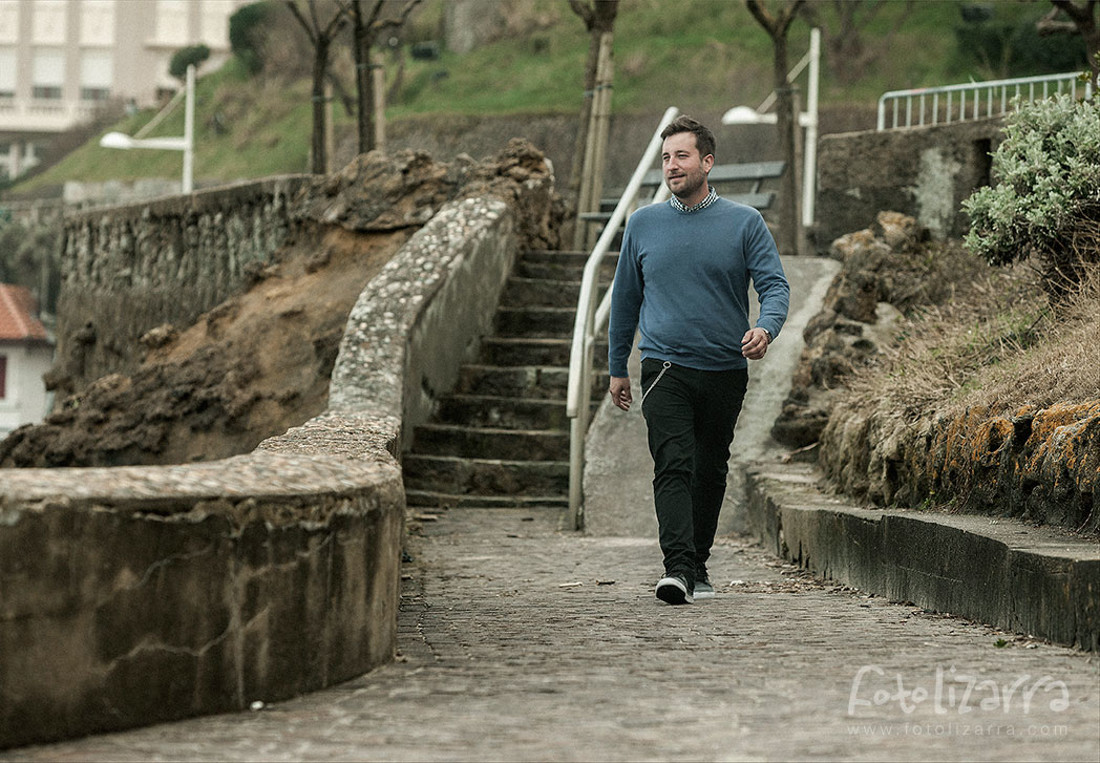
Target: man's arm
769	281
626	301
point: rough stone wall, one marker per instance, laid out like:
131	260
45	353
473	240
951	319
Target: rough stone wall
140	594
128	269
880	277
923	172
1039	465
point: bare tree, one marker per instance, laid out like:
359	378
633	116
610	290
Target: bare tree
777	25
367	27
848	52
321	36
599	20
1082	20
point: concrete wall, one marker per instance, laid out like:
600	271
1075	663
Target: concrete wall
141	594
133	268
923	172
1005	573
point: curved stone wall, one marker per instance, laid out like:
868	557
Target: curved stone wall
140	594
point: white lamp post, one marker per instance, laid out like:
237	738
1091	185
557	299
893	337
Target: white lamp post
186	144
745	115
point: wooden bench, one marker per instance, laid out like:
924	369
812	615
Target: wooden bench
753	173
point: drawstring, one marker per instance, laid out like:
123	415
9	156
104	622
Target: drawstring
664	367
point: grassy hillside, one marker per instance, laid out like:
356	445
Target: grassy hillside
701	55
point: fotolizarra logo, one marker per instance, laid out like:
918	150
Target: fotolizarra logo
954	691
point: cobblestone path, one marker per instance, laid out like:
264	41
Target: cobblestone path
519	642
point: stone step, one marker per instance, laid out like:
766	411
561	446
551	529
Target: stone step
431	499
535	321
537	382
503	412
563	266
540	292
533	351
501	438
480	476
486	442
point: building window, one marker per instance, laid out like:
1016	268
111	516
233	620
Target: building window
96	75
49	22
48	74
3	376
97	22
173	27
9	23
7	73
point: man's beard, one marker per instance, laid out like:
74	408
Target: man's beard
691	186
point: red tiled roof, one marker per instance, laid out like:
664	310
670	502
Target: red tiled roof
17	321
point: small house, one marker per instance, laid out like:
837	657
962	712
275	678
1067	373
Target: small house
26	353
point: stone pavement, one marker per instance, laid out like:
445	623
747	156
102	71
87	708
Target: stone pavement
522	642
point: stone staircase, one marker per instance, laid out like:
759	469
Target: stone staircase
501	438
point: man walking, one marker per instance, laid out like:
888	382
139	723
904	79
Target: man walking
682	279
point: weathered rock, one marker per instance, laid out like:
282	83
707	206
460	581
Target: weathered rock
857	319
382	192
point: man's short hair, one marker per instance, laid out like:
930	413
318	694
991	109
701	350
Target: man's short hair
704	138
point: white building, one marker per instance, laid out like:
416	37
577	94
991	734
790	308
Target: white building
26	353
60	59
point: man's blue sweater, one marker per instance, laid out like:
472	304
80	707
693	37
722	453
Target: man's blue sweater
683	279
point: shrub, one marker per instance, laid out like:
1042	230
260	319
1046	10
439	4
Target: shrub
1046	200
184	57
245	35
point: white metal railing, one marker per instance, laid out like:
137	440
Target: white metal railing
591	319
928	106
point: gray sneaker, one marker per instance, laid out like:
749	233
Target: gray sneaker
674	590
704	589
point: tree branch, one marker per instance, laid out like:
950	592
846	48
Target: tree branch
388	23
297	13
1080	14
585	11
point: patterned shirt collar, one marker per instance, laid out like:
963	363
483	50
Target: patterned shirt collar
678	205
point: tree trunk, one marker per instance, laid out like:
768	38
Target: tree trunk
320	38
599	20
790	221
787	125
590	65
369	82
318	155
364	87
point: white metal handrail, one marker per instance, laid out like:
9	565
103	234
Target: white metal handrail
972	100
591	318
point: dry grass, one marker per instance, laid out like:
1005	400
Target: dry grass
998	345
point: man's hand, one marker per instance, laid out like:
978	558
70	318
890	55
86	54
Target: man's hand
620	392
754	344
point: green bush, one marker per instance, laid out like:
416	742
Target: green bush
1046	198
246	35
184	57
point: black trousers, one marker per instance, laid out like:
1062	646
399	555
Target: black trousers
690	416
